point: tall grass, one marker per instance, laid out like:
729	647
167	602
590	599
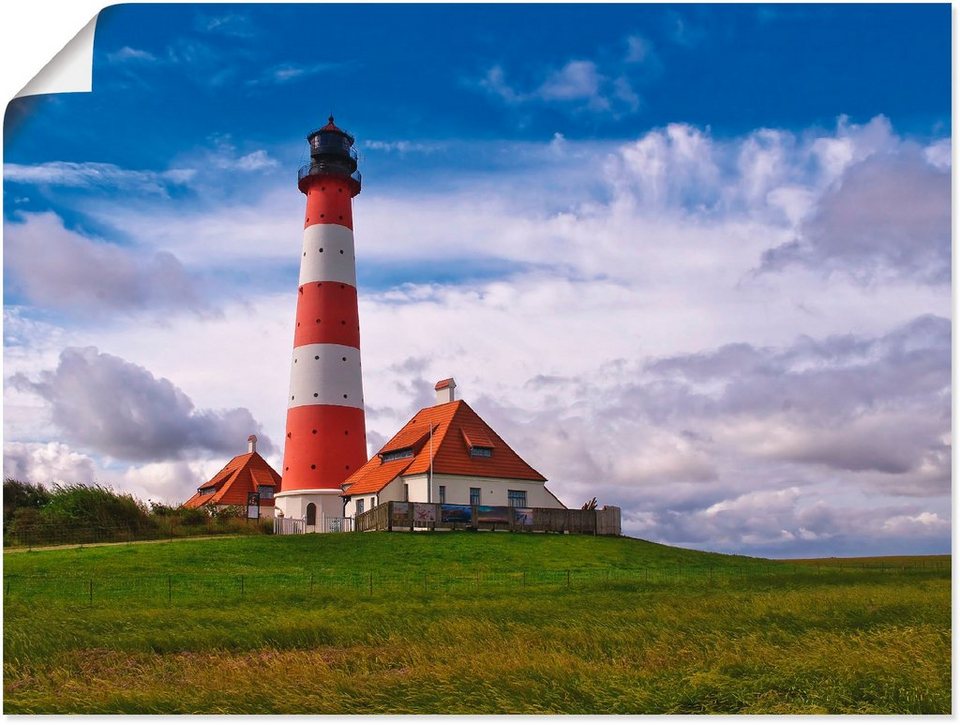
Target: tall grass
857	641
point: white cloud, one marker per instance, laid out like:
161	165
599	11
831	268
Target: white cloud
579	84
402	147
85	275
939	154
293	72
91	175
578	80
639	49
887	216
126	54
116	408
46	463
923	523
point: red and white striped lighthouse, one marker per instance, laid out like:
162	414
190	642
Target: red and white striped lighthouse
326	433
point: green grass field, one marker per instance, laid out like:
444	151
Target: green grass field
467	623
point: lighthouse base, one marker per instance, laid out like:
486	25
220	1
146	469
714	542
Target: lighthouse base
321	509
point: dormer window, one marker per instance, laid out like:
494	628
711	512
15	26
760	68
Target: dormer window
208	491
478	443
265	491
394	455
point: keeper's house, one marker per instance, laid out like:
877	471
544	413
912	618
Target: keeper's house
233	484
471	464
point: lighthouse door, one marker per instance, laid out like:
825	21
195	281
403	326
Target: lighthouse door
311	514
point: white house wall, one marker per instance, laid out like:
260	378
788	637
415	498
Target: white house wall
294	505
493	491
371	500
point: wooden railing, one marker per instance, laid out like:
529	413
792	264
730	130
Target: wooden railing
414	516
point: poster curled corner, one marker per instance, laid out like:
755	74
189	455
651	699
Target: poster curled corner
70	70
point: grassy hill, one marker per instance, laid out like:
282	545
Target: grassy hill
467	622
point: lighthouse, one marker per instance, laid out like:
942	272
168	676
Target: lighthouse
326	433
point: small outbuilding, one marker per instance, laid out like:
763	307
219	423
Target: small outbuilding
232	485
446	453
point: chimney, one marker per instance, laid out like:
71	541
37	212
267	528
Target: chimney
252	444
445	391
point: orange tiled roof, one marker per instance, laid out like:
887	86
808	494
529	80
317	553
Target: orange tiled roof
455	428
410	436
242	475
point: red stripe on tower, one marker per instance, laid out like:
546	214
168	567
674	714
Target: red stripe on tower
326	431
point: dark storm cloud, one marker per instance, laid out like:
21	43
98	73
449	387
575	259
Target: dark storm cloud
53	267
111	406
888	217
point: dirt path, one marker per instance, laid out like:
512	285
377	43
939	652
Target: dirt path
23	549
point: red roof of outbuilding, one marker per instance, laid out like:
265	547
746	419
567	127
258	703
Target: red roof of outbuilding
242	475
445	383
454	424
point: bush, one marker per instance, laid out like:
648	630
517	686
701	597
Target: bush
80	513
19	495
192	517
28	526
96	507
222	513
161	509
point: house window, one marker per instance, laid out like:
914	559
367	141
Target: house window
207	491
517	499
265	491
311	514
394	455
481	451
443	494
359	506
372	504
475	496
406	492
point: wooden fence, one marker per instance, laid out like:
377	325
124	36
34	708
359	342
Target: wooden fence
415	516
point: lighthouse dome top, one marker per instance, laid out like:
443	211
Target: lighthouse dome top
332	153
314	137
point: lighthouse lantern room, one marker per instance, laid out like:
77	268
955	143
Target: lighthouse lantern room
326	433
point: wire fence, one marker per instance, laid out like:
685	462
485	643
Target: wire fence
101	590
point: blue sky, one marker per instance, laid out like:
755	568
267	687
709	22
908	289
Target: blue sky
637	223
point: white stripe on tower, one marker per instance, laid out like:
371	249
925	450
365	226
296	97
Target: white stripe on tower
326	374
328	255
